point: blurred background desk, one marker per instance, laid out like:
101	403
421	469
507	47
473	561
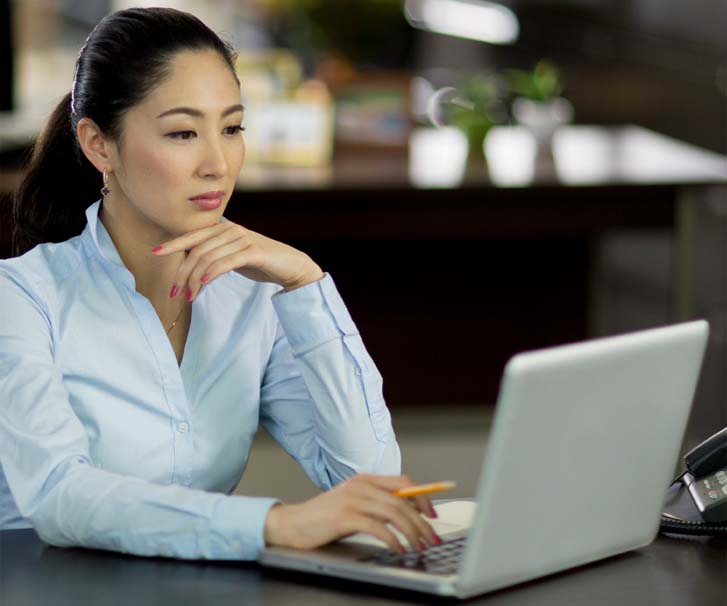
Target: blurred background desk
447	282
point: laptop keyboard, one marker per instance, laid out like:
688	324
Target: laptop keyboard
439	559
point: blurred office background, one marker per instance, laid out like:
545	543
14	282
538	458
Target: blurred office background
480	178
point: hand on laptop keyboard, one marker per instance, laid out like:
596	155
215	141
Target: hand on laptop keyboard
364	503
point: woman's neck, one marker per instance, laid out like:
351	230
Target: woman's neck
153	275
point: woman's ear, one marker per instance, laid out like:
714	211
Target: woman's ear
94	146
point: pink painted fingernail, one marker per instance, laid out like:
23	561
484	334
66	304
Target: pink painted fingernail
174	291
189	295
156	249
402	550
204	278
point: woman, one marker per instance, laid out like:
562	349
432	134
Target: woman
138	358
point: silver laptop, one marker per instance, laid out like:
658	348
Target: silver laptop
583	446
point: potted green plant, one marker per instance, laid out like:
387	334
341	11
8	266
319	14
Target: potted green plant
474	107
537	102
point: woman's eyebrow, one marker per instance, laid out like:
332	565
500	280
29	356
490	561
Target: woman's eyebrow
198	114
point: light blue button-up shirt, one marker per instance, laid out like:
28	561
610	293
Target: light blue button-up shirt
107	442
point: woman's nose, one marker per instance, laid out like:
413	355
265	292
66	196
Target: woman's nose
214	160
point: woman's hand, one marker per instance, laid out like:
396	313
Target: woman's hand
227	246
365	503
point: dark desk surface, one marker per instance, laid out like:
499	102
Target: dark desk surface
671	571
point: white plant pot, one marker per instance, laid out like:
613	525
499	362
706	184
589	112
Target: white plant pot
437	156
511	154
542	117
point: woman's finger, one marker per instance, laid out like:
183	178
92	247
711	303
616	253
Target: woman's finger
190	239
204	255
381	488
407	509
361	523
225	253
424	504
387	513
246	262
215	262
401	519
393	483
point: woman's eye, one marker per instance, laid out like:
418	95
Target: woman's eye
182	134
235	129
178	135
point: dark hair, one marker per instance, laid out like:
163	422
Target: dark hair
126	55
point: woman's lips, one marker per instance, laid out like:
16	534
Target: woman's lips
207	203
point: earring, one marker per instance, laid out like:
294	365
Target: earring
105	191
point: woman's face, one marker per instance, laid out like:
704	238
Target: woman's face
168	157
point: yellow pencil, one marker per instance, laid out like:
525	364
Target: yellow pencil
415	491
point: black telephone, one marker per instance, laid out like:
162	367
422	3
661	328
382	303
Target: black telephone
706	481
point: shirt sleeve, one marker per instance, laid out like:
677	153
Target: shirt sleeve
321	396
44	453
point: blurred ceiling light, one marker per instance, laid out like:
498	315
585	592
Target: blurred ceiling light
473	19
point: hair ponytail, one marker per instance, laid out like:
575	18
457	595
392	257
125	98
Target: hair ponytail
51	201
125	56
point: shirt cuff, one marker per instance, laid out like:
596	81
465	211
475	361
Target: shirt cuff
313	314
237	529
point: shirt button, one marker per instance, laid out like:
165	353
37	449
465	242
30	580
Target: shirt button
358	372
235	545
183	427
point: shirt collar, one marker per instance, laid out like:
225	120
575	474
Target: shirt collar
102	244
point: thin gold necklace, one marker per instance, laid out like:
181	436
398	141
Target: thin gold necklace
175	321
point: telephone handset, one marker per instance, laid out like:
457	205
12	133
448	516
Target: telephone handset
706	481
